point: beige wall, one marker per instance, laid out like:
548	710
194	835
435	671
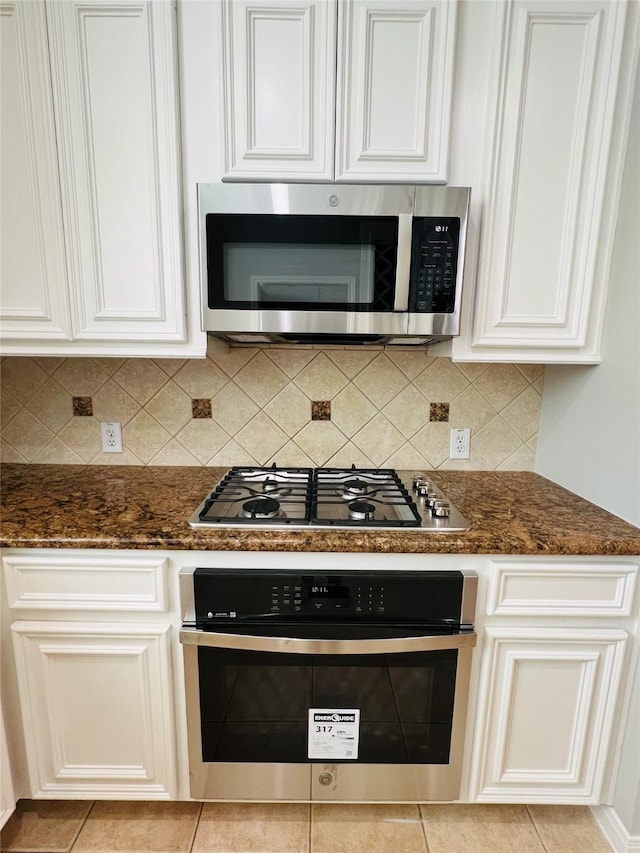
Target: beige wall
260	409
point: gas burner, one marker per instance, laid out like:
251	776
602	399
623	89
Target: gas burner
356	498
261	508
350	488
361	510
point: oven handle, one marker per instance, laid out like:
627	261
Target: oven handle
299	645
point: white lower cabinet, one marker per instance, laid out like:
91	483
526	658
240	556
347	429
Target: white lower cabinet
93	642
557	636
96	705
545	731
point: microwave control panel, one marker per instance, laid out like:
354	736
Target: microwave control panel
434	264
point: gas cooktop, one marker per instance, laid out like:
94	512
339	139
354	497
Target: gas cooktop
360	498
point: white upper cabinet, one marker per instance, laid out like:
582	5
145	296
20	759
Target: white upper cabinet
395	72
383	117
34	297
555	127
105	125
279	88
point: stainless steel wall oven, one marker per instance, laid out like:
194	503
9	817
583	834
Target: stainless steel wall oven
339	685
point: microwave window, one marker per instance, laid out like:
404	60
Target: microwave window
298	273
276	261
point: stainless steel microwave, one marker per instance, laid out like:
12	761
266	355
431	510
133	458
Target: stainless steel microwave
332	263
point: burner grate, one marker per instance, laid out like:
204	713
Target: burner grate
356	498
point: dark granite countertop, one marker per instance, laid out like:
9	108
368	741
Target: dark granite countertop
78	506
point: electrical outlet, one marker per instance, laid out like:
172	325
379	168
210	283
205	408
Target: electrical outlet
111	437
459	441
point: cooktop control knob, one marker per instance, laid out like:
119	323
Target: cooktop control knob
441	508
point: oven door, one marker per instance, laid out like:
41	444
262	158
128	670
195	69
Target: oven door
261	713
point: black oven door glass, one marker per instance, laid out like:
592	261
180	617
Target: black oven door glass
306	263
255	705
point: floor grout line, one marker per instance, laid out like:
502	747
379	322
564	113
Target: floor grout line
530	816
85	819
195	829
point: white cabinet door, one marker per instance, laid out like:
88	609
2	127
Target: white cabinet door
97	707
557	118
115	95
92	246
545	723
395	71
393	89
279	88
32	263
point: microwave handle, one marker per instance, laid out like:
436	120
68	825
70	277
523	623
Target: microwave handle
403	262
298	645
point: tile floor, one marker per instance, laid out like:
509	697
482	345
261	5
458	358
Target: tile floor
159	827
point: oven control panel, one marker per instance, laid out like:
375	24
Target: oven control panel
223	596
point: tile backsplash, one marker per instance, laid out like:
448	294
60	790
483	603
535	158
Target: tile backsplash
257	405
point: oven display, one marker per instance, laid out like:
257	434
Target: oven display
328	591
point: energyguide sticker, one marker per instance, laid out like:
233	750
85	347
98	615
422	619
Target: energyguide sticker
334	733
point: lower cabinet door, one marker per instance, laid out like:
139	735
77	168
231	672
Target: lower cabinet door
544	731
97	709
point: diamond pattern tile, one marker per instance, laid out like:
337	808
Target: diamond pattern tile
349	455
321	379
522	414
290	409
83	435
261	379
112	403
261	438
140	378
27	435
320	440
381	381
261	405
378	439
232	408
351	362
410	362
203	438
441	382
409	411
351	410
470	410
290	361
501	383
201	378
496	441
22	377
234	360
432	442
291	454
144	436
171	407
81	377
52	405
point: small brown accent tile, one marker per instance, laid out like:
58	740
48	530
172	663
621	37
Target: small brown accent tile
439	412
201	408
321	410
82	407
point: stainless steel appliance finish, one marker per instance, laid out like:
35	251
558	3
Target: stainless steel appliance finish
425	269
294	498
394	646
